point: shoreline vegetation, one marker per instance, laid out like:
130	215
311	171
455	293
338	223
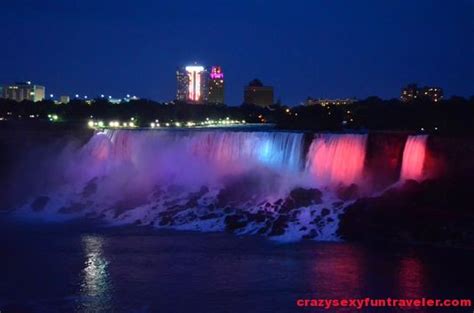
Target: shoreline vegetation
452	116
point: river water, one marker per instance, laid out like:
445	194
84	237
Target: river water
74	267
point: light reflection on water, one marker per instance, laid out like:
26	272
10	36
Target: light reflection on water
129	270
336	276
96	287
411	277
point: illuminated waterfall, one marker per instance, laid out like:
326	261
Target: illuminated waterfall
224	152
214	180
334	159
274	149
414	157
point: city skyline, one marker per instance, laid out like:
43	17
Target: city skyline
316	52
209	89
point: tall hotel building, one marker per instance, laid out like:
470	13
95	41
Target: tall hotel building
216	86
192	84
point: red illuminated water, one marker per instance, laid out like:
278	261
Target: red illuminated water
335	159
414	157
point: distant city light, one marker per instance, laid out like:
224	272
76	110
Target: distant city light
226	122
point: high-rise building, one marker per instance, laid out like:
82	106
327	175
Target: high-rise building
182	81
258	94
412	92
24	91
192	84
216	86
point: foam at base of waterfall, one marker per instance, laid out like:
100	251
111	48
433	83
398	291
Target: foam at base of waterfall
199	210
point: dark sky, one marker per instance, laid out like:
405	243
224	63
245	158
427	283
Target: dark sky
319	48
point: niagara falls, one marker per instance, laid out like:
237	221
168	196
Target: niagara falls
236	156
285	185
247	204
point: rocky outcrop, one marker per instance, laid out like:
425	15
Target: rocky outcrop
347	193
301	197
438	212
247	214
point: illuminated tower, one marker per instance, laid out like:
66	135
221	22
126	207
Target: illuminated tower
216	85
192	84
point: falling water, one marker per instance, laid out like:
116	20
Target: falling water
212	180
184	155
275	149
414	157
334	159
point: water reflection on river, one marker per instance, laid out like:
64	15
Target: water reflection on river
76	269
96	289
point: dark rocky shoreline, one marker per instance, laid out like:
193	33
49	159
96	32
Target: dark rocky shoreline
436	212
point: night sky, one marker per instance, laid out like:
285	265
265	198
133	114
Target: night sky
315	48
